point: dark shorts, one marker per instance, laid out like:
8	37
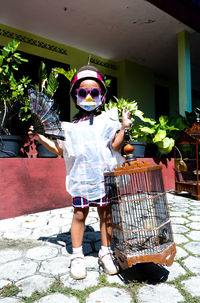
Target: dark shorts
80	202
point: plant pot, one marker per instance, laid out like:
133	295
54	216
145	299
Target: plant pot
10	146
139	148
43	152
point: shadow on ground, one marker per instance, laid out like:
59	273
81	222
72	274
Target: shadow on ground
144	272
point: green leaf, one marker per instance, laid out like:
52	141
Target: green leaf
68	74
52	85
42	75
107	82
149	120
148	130
15	66
163	120
5	52
166	145
161	134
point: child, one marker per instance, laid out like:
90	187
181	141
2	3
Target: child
91	147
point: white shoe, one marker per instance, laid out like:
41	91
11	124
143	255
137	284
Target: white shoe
77	267
108	262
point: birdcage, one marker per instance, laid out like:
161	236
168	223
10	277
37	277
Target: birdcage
142	230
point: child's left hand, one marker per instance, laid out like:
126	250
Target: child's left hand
126	120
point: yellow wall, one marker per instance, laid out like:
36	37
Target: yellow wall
135	81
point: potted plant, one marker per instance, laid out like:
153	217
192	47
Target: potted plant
139	145
160	135
14	102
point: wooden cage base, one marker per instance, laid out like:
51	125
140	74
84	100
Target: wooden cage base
164	258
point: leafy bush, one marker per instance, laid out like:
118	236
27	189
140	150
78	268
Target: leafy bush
163	132
12	90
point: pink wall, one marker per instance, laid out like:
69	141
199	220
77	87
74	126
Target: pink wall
29	185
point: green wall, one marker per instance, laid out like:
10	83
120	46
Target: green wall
137	83
134	81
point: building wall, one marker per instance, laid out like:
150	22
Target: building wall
137	83
33	185
134	81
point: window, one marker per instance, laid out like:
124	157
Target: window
61	97
161	101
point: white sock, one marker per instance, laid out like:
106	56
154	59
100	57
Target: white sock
105	249
77	250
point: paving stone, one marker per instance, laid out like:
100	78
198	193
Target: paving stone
181	207
5	224
178	220
56	266
192	286
33	283
91	221
179	229
66	228
109	294
196	212
55	298
35	221
90	281
195	218
34	268
95	226
42	252
60	222
4	283
114	279
64	252
91	263
193	247
175	214
175	270
178	239
10	300
46	231
159	293
10	254
60	211
67	215
18	233
17	270
195	204
194	235
180	253
66	210
194	225
193	264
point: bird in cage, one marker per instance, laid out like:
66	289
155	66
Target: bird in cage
44	117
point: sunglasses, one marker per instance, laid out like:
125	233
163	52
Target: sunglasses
83	92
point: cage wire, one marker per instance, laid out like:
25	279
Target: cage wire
140	217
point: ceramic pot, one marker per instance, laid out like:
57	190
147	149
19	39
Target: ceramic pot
10	146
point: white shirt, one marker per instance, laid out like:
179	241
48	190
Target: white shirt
88	154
